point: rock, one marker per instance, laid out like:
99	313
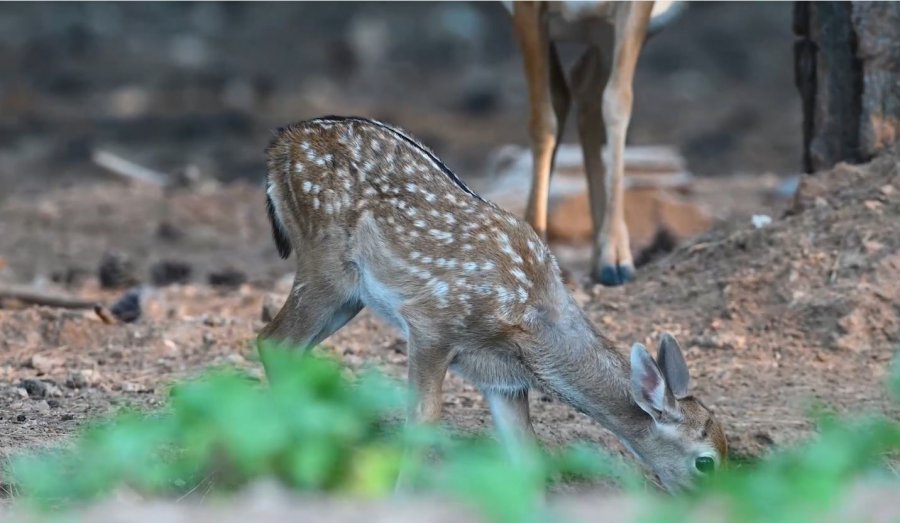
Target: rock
134	387
128	308
53	404
67	417
116	271
21	418
227	278
35	388
43	364
80	379
70	276
168	272
168	232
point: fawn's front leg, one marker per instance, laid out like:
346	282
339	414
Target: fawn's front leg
427	369
512	418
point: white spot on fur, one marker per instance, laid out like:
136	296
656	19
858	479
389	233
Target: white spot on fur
486	266
523	295
420	224
415	255
441	235
298	167
520	275
411	187
468	247
315	203
307	185
470	266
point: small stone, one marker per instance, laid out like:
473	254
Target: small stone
872	205
53	404
128	308
227	278
83	378
42	407
35	388
67	417
872	246
168	272
21	418
43	364
887	190
133	387
169	232
116	271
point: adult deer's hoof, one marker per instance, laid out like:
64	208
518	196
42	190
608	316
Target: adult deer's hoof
612	275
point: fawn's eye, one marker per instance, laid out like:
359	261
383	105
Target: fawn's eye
705	464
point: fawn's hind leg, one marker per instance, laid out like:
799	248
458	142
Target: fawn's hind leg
313	311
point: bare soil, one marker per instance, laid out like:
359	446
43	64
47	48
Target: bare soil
773	320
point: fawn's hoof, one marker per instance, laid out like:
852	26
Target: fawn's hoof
612	275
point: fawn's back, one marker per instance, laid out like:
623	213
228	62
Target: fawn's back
376	213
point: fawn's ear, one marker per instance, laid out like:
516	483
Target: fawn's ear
674	369
648	385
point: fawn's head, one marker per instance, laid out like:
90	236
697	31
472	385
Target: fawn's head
684	440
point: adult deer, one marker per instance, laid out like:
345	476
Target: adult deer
376	220
601	83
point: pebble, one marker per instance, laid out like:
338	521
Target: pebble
128	308
116	271
21	418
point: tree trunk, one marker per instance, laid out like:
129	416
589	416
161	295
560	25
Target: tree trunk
847	69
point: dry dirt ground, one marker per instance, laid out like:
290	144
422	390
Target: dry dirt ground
773	320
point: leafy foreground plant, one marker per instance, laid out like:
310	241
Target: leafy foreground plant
311	428
314	430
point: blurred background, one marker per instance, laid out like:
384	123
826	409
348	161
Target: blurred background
168	85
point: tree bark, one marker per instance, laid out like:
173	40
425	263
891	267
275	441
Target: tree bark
847	69
877	26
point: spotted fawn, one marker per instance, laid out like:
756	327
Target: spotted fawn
376	220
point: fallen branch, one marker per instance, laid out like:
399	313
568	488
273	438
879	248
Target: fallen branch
128	169
32	296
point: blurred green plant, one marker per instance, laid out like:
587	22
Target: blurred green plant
311	428
314	429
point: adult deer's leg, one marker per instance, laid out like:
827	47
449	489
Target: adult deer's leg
543	124
613	263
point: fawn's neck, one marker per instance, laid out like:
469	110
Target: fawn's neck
585	370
